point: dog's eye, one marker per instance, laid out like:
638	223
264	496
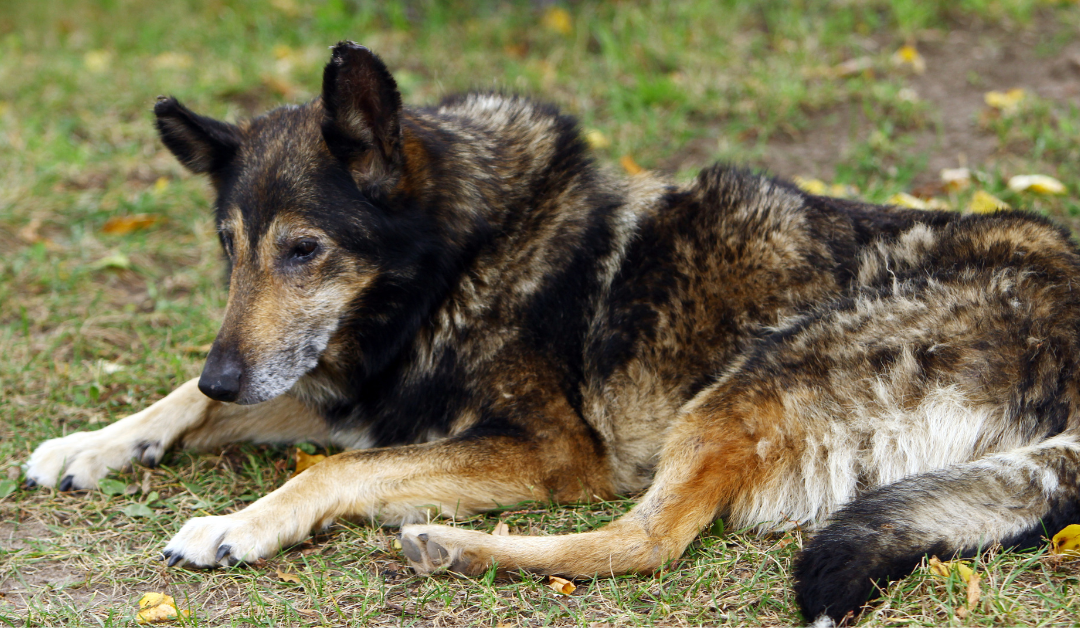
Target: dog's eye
304	250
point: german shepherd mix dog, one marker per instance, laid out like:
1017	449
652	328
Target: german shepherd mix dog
464	299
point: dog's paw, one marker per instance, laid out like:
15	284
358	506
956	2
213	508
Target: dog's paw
225	540
433	548
77	461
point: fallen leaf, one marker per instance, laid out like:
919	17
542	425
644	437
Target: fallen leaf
197	348
1067	541
122	225
305	460
983	202
501	529
287	577
630	166
396	544
974	592
558	20
596	139
851	67
138	510
961	612
115	259
908	57
817	187
561	585
956	179
172	61
1006	102
97	61
161	184
158	607
1037	183
943	569
903	199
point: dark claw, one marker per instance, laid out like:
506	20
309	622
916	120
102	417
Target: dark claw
411	551
165	554
222	552
65	484
175	559
29	483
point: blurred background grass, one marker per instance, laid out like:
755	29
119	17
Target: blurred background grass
96	322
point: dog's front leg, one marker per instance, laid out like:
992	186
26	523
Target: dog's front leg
185	416
397	485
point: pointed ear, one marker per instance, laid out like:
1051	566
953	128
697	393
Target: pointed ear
202	144
363	114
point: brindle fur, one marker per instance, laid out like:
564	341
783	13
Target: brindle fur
463	297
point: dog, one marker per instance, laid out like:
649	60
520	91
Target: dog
462	298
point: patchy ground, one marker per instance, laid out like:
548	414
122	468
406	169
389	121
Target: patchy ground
94	326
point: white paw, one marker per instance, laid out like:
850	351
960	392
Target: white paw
79	460
226	540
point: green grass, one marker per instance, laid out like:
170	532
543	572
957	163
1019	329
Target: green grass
675	85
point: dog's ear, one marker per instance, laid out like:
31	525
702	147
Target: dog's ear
202	144
362	126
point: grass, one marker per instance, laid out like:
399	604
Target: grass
94	326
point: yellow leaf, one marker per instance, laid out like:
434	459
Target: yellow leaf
161	185
904	199
983	202
558	20
122	225
817	187
97	61
908	56
596	139
630	166
305	460
1006	102
1067	541
172	61
158	607
973	591
842	190
956	179
943	569
1037	183
287	577
851	67
561	585
501	529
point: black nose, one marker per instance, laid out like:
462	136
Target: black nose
220	378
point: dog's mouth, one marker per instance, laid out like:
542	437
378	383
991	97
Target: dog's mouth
227	376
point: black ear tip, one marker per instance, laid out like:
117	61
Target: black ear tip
347	48
165	105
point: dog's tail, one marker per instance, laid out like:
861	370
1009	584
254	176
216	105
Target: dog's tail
1014	499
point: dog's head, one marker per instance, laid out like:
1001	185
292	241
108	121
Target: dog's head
302	217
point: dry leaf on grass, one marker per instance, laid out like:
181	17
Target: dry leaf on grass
983	202
974	592
305	460
943	569
287	577
956	179
158	607
908	57
1006	102
501	529
561	585
558	20
629	165
1037	183
596	139
1067	541
903	199
123	225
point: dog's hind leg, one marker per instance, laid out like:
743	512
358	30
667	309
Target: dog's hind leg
711	460
185	417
